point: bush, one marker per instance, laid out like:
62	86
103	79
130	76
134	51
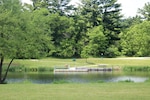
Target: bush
127	81
16	69
100	81
135	68
60	82
112	51
44	69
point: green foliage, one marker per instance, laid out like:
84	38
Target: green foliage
9	33
37	4
55	28
85	52
60	82
128	22
135	68
135	42
23	33
106	14
97	41
91	11
111	20
18	39
17	69
62	7
100	81
62	35
127	81
145	11
112	51
45	69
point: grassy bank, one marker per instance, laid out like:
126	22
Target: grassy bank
95	91
53	62
48	64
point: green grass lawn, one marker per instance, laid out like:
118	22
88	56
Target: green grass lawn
52	62
92	91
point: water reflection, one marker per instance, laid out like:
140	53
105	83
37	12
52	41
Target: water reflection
47	78
129	78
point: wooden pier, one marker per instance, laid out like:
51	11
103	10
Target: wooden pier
80	69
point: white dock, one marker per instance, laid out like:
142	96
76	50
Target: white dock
81	69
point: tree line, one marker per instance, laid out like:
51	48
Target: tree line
55	28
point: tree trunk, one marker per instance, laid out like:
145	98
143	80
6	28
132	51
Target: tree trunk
3	78
1	65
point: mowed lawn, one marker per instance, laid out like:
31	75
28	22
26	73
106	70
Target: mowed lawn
54	62
92	91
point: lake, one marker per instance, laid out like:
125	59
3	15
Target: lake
85	77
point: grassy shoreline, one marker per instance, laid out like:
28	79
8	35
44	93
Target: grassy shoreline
52	62
48	64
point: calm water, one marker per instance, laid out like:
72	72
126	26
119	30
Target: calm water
48	78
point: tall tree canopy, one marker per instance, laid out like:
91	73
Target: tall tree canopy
62	7
22	34
145	11
9	31
105	13
111	19
136	41
37	4
91	11
97	41
130	21
62	35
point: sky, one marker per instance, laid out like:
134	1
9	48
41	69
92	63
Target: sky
129	7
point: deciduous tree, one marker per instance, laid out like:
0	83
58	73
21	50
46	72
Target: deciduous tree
136	41
22	34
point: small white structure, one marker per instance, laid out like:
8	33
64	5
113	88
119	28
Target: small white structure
81	69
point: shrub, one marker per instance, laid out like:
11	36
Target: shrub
60	82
